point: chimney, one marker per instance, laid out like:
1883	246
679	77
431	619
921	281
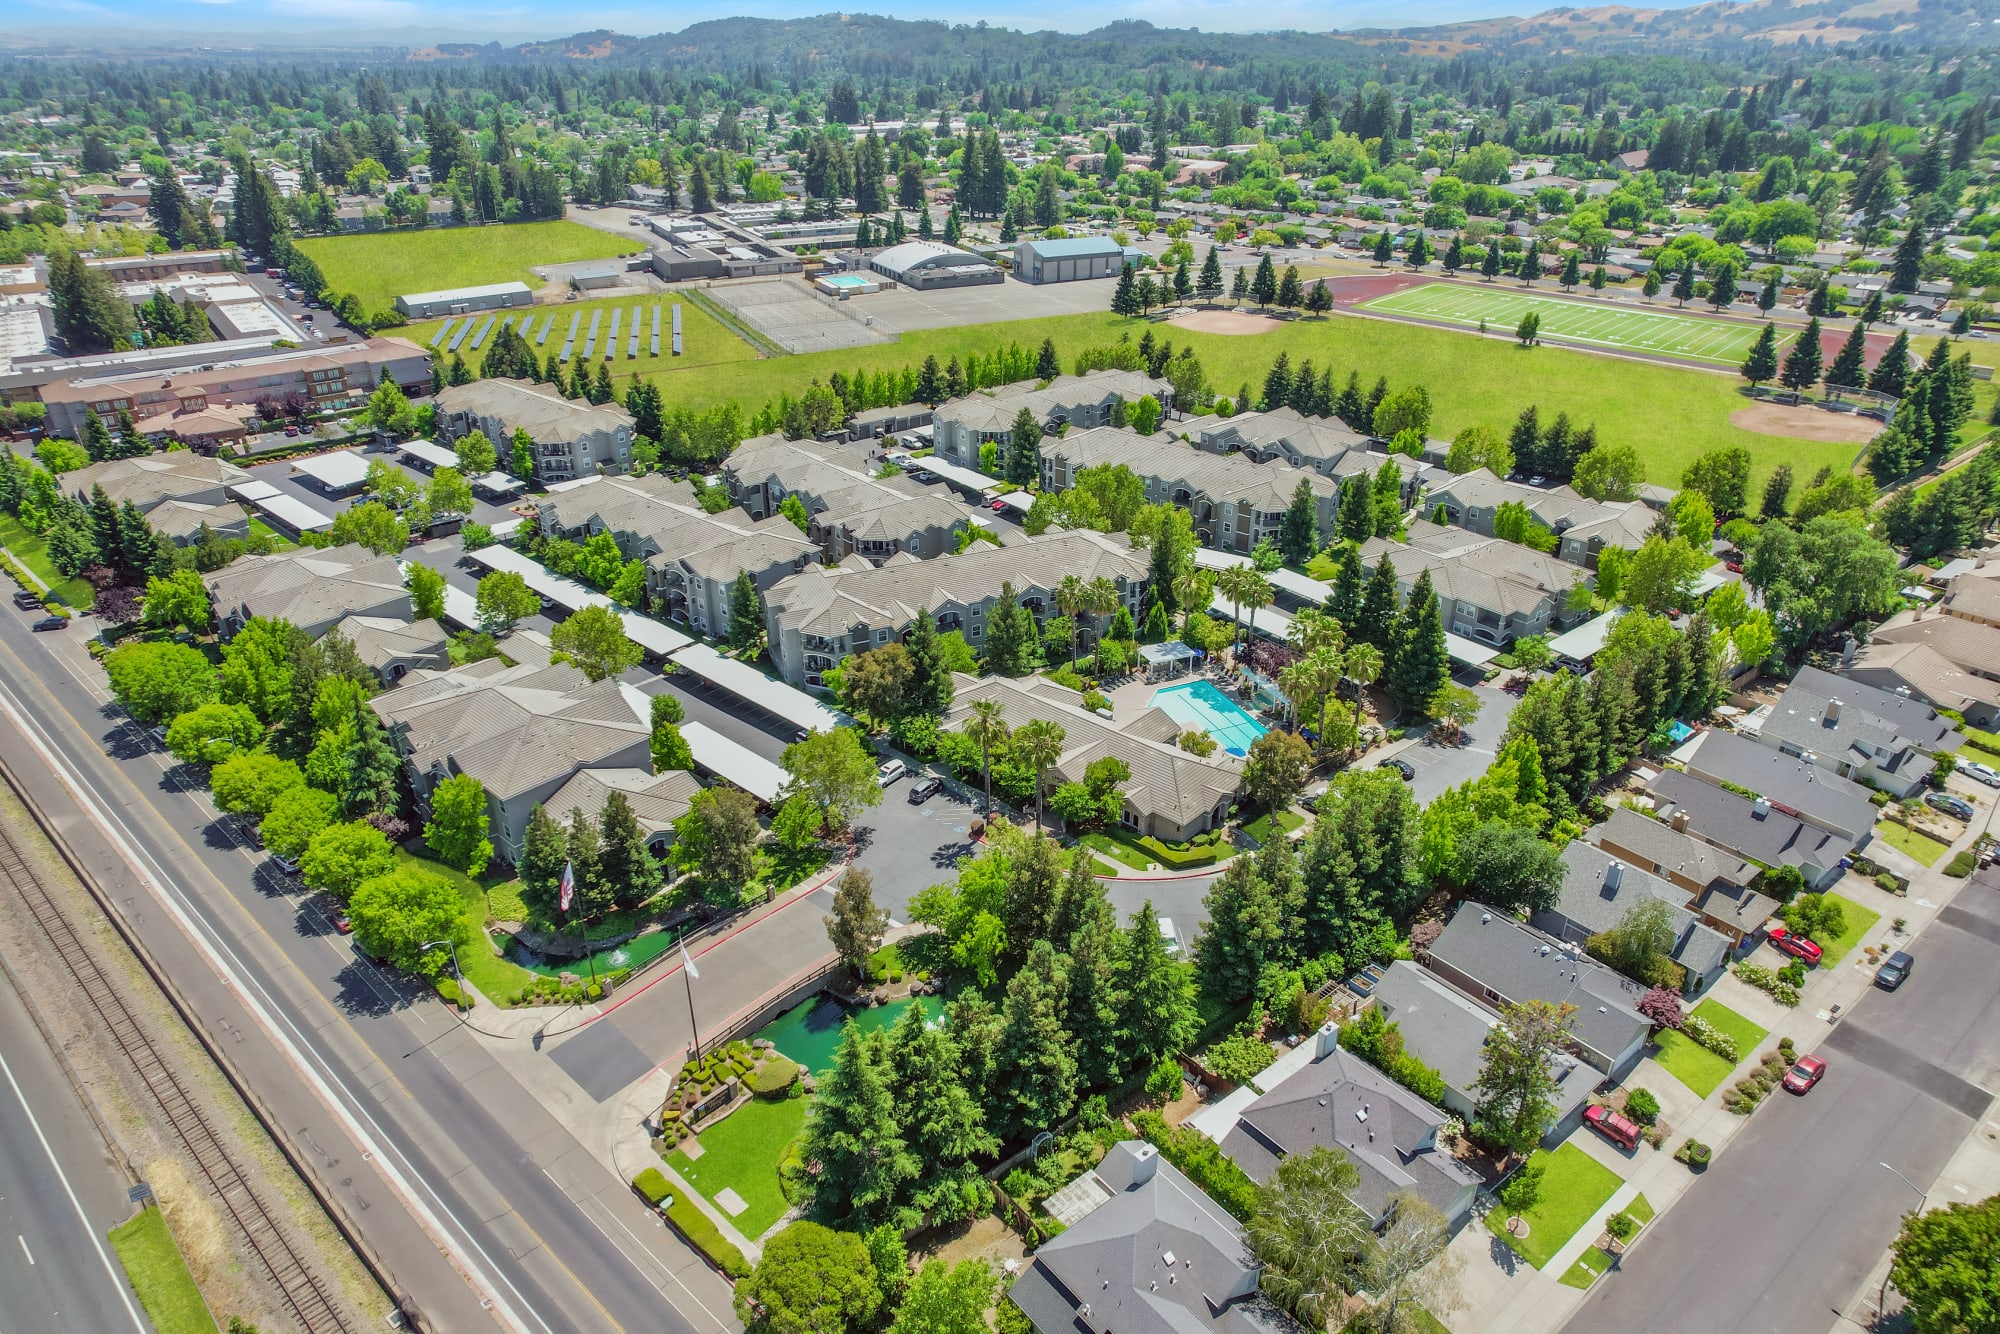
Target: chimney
1760	808
1614	873
1847	651
1679	822
1326	1040
1145	1162
1833	710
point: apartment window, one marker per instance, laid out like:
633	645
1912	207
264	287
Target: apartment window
1492	995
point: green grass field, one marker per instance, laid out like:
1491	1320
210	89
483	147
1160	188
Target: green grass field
705	343
1574	1184
33	553
159	1275
1858	920
1918	846
741	1153
1698	1067
380	266
1670	413
1664	332
494	977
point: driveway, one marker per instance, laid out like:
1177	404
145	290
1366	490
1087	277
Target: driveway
1440	767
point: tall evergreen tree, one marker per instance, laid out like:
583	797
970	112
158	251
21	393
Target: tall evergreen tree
931	688
630	870
1849	369
1762	363
854	1135
1892	373
1298	534
1343	603
1802	363
1376	623
1420	663
1034	1064
1907	267
1159	1018
942	1123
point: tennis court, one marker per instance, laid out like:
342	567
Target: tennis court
1665	332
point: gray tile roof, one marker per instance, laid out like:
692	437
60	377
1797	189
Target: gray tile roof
1770	838
547	416
994	410
310	587
1223	478
657	800
1166	780
1561	508
184	519
839	489
1488	573
1967	643
1925	672
1342	1102
1841	719
1673	852
1973	596
1322	441
1441	1026
150	478
1813	791
658	519
513	728
380	640
1522	964
1157	1257
1600	890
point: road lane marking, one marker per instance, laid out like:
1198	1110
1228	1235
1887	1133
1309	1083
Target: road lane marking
117	1276
24	1247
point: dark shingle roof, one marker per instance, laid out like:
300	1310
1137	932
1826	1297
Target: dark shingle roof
1523	964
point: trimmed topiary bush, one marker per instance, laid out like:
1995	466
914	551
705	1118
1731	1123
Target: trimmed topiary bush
774	1079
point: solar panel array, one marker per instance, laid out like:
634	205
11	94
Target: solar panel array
569	343
443	329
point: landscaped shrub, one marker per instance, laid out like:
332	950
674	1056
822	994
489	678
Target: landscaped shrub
1793	973
775	1079
1239	1057
1621	1226
1201	1161
1164	1083
652	1184
1642	1106
699	1232
1768	982
1961	865
1709	1036
1886	882
1178	860
1694	1153
1523	1190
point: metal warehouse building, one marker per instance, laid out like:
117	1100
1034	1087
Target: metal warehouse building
464	300
1071	258
925	265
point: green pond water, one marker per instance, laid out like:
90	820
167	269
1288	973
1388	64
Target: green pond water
629	955
810	1033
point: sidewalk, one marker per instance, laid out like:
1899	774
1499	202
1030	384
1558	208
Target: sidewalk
1504	1295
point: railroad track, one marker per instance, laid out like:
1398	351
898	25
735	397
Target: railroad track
304	1291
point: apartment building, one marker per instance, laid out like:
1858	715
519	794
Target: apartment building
1583	526
986	417
572	437
852	511
1489	589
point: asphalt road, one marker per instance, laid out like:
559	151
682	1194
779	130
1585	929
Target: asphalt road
447	1165
1781	1232
59	1194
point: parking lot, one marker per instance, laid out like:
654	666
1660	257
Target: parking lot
901	309
1440	767
306	491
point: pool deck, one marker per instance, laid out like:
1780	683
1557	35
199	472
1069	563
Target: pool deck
1135	696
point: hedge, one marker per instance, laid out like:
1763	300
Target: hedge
774	1079
699	1232
1166	856
652	1183
1202	1162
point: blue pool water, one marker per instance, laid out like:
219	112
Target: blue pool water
1199	704
847	280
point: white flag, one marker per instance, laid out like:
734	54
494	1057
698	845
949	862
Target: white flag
688	963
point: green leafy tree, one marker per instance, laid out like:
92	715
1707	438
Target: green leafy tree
502	598
178	601
398	913
295	818
213	732
456	830
1307	1234
476	454
670	749
341	856
811	1280
156	682
836	771
1947	1266
259	666
251	783
1516	1086
1277	769
718	837
373	525
947	1299
593	640
856	925
426	592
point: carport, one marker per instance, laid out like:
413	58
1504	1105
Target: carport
338	473
751	686
1468	652
716	754
649	634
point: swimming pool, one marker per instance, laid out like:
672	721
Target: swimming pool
846	280
1199	704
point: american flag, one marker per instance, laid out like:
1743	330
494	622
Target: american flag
568	886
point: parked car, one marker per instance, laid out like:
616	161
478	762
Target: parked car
52	623
1797	946
336	912
890	772
1979	773
924	789
289	865
1950	805
1402	767
1614	1126
27	601
1895	970
1801	1077
1170	939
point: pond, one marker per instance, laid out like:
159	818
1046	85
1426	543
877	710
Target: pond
810	1033
641	949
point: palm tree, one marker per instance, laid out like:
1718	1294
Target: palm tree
1071	594
989	729
1310	682
1313	630
1187	591
1234	584
1364	666
1257	592
1040	743
1101	598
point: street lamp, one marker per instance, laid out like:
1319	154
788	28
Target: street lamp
1923	1196
459	976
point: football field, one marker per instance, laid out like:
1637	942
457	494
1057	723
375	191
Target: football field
1501	306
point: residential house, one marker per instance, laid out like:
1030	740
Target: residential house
178	491
1947	661
851	510
393	648
1235	503
1749	827
986	416
1339	1101
1447	1030
817	617
312	588
1172	794
181	521
1719	880
1973	598
657	800
572	437
1583	526
1489	589
1599	891
1144	1252
692	557
523	731
1500	960
1874	736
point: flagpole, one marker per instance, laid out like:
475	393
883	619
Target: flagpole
687	976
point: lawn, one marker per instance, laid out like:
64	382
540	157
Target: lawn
1674	412
1904	839
381	266
1119	852
704	340
1858	919
1698	1067
741	1153
159	1275
1574	1186
28	549
1664	331
1593	1263
1260	828
494	977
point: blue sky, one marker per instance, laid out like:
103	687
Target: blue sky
506	20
